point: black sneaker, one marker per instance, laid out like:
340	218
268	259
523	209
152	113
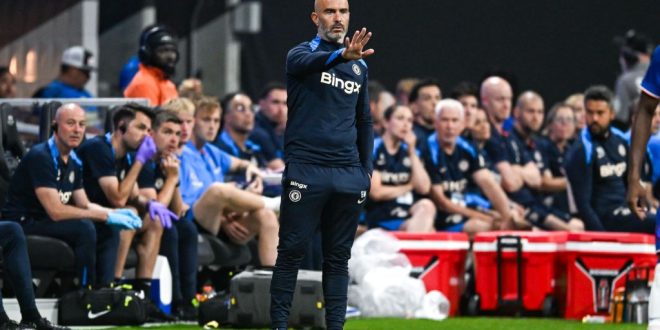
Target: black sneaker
187	313
155	315
41	324
9	325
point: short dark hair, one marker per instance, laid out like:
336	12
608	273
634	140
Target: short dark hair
227	100
599	93
464	88
271	86
374	89
4	70
128	111
165	116
414	92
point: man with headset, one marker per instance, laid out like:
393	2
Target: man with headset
158	56
46	198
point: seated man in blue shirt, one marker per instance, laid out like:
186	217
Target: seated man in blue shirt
238	123
77	64
47	198
452	164
596	168
222	208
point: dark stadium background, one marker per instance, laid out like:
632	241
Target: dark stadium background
556	47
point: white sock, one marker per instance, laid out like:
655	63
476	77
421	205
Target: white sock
272	203
654	302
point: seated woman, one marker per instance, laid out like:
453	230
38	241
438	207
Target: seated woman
561	128
399	175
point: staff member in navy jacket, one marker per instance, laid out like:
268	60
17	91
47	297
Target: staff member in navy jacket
327	151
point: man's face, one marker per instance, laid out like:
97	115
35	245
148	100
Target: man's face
167	138
449	125
79	77
426	100
165	57
497	101
187	126
655	122
331	17
598	116
136	130
207	124
71	126
240	116
274	106
470	103
530	114
7	86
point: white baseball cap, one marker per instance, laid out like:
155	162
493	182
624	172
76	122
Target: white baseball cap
79	57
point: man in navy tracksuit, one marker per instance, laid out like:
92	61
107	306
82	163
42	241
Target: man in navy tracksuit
596	170
328	143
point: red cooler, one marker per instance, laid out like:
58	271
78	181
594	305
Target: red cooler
439	259
515	272
595	264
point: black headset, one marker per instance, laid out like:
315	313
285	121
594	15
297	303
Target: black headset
145	52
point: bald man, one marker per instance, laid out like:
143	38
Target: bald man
47	198
526	161
328	143
496	98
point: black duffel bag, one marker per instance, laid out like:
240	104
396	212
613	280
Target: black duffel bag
215	309
102	307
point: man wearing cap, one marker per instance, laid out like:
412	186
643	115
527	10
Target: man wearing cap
158	56
77	64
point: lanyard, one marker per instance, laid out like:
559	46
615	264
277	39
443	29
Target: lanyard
230	143
54	153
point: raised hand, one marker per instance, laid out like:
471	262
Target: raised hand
170	166
353	50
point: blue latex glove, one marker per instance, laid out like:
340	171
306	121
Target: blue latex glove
119	220
146	151
136	222
159	210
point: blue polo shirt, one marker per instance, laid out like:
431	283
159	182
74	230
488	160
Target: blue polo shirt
201	168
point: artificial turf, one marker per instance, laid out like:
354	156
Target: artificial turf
462	323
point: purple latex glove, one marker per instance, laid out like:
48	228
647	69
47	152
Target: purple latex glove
146	151
159	210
